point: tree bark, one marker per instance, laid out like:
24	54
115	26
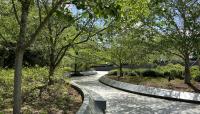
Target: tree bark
76	71
22	45
51	74
75	68
19	57
187	69
120	70
17	81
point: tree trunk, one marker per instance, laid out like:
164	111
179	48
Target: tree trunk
76	71
52	63
51	74
19	57
75	68
17	81
187	69
120	70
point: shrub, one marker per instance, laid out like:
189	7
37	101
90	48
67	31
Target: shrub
152	73
126	72
197	78
67	69
195	73
176	74
132	73
167	74
172	70
113	72
139	71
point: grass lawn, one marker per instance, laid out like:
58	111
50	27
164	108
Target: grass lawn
159	82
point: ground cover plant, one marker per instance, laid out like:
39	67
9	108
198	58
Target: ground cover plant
37	95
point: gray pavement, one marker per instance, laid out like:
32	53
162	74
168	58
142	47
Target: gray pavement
120	102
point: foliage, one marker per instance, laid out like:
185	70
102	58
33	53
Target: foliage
22	22
113	72
152	73
169	70
34	83
195	72
31	57
173	26
174	70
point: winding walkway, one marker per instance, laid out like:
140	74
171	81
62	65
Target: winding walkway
120	102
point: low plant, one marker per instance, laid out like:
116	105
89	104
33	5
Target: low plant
152	73
35	88
195	73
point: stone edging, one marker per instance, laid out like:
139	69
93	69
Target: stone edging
90	105
152	91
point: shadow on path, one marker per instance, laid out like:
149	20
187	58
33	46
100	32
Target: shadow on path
120	102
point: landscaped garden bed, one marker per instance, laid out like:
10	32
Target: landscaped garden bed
37	95
167	77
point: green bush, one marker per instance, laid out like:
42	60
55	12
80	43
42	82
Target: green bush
152	73
167	74
197	78
195	73
139	71
125	71
113	72
132	73
176	74
170	67
172	70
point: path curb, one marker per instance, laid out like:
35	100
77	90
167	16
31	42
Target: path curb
90	105
152	91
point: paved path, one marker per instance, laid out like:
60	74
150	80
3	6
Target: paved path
120	102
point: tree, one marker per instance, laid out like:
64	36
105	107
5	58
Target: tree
66	30
122	47
69	36
29	19
26	35
175	27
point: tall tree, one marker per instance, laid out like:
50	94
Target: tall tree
66	29
25	37
175	25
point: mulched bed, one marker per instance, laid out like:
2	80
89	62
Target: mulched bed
46	104
160	82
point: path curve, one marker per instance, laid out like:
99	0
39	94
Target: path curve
120	102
